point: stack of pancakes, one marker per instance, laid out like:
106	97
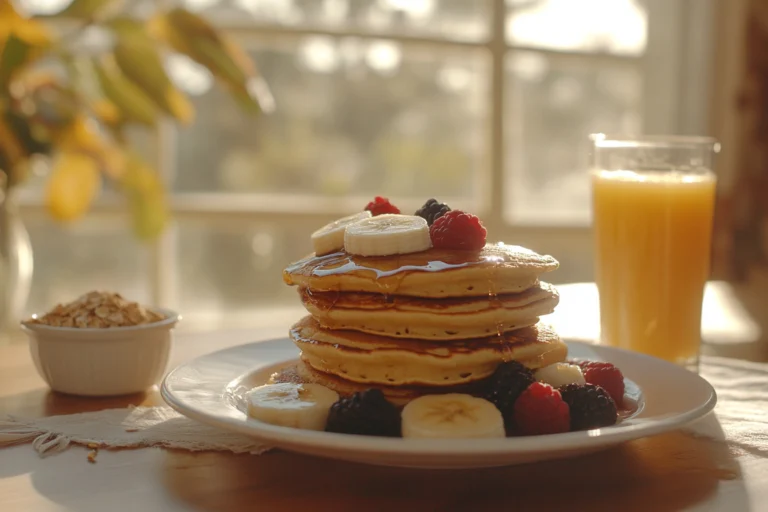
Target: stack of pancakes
436	321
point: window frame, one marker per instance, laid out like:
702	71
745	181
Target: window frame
677	58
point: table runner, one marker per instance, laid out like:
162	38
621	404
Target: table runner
742	414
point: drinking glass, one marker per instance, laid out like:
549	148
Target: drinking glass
653	202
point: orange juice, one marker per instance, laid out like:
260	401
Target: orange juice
652	242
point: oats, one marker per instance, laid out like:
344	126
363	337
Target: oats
116	318
98	310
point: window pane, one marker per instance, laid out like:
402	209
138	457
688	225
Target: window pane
94	254
450	19
553	104
352	117
243	264
611	26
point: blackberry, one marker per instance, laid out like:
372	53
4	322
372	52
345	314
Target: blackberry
366	413
505	386
591	406
432	210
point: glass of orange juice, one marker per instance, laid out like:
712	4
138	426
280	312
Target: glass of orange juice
653	202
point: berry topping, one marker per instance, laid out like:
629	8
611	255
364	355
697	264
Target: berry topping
365	413
605	375
432	210
591	406
541	410
381	205
506	385
458	230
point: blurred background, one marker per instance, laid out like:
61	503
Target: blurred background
484	104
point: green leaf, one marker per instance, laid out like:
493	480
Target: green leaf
213	54
129	98
15	54
137	56
145	192
88	9
193	36
11	148
255	97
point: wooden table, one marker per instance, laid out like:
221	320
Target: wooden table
668	472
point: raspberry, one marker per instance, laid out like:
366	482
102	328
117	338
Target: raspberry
458	230
541	410
432	210
381	205
365	413
505	386
605	375
591	406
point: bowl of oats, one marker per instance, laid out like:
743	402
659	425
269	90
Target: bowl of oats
101	344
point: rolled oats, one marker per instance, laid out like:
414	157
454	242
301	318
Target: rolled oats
98	309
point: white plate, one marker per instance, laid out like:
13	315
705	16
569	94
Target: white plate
207	390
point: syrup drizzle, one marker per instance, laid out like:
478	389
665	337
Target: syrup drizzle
432	260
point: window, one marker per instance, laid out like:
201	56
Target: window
485	104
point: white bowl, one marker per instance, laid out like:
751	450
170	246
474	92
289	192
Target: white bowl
102	361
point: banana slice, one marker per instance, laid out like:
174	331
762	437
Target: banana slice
560	374
453	415
387	234
292	405
330	237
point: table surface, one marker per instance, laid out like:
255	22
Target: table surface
674	471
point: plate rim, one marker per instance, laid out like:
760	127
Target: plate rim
518	445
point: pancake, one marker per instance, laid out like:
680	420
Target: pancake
496	269
367	358
428	318
302	373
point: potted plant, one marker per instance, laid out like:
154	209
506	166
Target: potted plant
68	105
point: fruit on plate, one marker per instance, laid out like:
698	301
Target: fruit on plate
560	374
292	405
386	235
590	406
458	230
541	410
452	415
330	238
607	376
432	210
505	386
366	413
380	206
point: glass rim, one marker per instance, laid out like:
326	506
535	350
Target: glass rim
603	140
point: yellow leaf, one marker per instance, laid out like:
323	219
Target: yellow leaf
146	197
28	30
74	183
82	136
107	112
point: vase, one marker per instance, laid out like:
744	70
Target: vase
15	265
